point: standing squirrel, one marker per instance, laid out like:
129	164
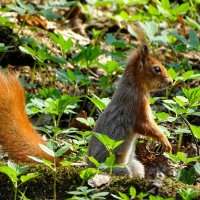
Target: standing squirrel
129	114
17	135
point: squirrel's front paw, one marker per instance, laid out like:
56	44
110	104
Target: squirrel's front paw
166	144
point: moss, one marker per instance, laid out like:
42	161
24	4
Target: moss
68	179
171	187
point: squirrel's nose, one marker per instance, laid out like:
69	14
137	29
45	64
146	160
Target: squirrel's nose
169	81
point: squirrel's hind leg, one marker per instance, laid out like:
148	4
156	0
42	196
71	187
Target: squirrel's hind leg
126	156
135	166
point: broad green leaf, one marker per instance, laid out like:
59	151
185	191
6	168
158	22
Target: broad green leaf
47	150
152	10
165	4
192	159
62	150
183	8
17	9
88	173
188	74
71	75
181	100
182	156
110	160
27	177
172	157
17	168
88	122
187	176
9	172
124	196
94	161
124	15
132	192
172	73
101	104
109	143
188	194
195	131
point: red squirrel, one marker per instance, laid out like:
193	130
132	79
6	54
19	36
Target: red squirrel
17	136
129	114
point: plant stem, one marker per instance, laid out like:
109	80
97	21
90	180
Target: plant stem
54	181
15	197
180	138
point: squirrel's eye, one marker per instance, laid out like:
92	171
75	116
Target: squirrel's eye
156	69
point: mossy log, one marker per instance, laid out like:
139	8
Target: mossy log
68	179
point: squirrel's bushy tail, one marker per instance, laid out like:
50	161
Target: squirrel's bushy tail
17	135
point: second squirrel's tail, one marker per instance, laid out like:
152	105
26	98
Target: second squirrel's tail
17	135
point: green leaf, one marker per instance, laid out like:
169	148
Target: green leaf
48	14
57	59
187	74
162	115
188	194
62	150
194	40
36	159
99	195
47	150
172	157
88	173
197	167
17	168
124	15
187	176
192	23
110	160
88	122
152	10
71	76
9	172
132	192
182	9
27	177
172	73
28	50
110	67
111	40
101	104
142	195
181	100
94	161
182	156
165	4
117	143
192	159
195	131
17	9
124	196
109	143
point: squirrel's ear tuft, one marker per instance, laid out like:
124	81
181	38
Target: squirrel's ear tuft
144	51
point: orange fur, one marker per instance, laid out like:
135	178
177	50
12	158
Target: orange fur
17	135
